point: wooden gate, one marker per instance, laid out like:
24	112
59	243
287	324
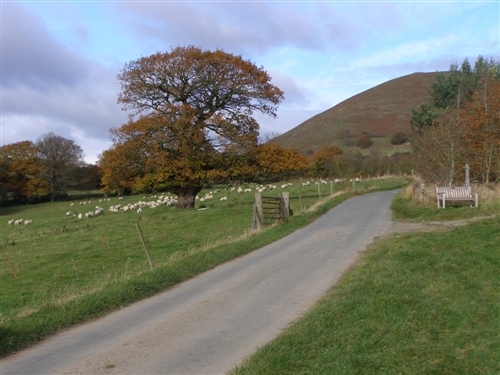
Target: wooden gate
270	210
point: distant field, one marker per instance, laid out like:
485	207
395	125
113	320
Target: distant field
61	270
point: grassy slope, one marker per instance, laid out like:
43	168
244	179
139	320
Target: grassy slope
111	266
384	109
418	303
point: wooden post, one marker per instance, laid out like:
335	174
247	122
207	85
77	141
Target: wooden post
422	190
467	180
285	205
331	187
319	190
105	244
300	196
12	266
76	273
258	211
144	245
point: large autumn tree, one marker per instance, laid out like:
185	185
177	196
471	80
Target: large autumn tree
191	121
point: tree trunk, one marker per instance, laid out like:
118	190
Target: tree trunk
186	196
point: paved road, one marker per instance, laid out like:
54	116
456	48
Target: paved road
209	324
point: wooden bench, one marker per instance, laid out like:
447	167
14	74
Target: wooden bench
455	194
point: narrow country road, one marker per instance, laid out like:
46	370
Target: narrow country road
209	324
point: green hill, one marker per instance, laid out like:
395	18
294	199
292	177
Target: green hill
380	111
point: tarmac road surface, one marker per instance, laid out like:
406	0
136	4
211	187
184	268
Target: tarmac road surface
210	324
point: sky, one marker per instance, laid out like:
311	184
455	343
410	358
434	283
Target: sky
60	59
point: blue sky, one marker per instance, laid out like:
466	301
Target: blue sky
60	59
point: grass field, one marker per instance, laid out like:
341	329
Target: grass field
60	270
417	303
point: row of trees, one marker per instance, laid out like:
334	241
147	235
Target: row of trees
460	124
44	170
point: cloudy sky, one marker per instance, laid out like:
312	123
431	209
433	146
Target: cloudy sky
60	59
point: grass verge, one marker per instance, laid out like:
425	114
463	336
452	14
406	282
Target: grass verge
420	303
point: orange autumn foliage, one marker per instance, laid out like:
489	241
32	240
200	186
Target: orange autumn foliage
21	173
482	119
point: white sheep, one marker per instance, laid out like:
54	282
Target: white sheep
17	222
28	222
68	213
139	210
80	216
11	222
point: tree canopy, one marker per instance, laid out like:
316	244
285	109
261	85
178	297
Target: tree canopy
460	124
21	173
60	157
322	159
454	89
191	122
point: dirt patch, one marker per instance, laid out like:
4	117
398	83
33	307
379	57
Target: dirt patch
432	226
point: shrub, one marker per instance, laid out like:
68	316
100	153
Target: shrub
399	138
364	141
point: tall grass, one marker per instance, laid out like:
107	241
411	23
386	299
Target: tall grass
71	270
418	303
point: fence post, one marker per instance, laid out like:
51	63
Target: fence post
258	212
285	205
144	245
467	179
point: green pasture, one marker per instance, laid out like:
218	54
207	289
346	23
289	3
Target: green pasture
417	303
61	270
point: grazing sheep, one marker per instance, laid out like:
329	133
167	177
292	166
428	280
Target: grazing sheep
139	210
28	222
71	205
17	222
80	216
11	222
223	198
68	213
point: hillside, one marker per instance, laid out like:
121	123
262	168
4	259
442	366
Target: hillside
382	110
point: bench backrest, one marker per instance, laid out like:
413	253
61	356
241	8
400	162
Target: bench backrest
454	192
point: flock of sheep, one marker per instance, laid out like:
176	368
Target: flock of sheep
158	201
19	222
